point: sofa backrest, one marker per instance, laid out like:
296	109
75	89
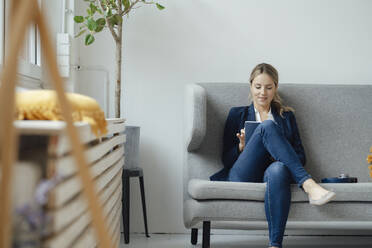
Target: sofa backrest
335	124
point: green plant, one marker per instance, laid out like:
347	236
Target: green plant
109	14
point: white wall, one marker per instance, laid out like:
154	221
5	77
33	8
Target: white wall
52	9
320	41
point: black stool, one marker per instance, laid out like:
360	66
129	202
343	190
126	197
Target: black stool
127	174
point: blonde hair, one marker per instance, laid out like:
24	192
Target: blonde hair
273	73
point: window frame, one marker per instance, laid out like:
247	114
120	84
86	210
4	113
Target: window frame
29	66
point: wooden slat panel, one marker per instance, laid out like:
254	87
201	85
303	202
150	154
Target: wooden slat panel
63	216
116	232
87	239
117	128
70	218
71	187
66	166
116	219
68	235
63	146
86	136
42	127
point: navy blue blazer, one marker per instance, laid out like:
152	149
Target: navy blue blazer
235	122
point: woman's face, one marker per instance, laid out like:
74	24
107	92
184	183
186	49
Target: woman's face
263	90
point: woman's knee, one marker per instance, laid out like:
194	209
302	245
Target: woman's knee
268	125
278	170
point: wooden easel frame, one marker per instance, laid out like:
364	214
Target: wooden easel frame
23	14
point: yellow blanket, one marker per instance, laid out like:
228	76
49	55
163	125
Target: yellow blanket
43	105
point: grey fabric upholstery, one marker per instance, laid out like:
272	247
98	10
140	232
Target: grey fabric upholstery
207	190
197	117
253	210
335	127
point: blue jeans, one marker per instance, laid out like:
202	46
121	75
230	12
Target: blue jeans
269	157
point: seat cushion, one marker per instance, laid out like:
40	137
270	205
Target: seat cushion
211	190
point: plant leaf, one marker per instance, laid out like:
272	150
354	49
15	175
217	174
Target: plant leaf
99	29
78	19
101	22
113	2
89	39
126	4
112	20
115	19
92	25
108	12
161	7
80	33
118	18
93	8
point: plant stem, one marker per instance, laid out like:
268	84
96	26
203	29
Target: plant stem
111	28
118	71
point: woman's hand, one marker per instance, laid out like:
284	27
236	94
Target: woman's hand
241	137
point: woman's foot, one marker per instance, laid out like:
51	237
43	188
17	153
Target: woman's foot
317	194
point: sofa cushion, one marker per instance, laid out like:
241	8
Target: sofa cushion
211	190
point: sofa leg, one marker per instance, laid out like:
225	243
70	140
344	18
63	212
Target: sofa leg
206	234
194	236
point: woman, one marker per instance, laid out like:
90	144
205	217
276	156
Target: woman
273	154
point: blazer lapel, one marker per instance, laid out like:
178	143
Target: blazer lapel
276	116
251	113
248	115
278	119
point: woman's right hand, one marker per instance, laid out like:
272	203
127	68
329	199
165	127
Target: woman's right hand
241	137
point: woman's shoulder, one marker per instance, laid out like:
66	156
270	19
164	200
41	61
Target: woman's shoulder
238	110
288	114
237	113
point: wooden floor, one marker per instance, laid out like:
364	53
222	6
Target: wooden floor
246	241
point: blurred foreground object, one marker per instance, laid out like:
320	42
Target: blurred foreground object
23	14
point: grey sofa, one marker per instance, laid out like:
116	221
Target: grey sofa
335	124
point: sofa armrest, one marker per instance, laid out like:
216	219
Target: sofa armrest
195	116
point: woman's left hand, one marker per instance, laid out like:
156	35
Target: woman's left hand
241	137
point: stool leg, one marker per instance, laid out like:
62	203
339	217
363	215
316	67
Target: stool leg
194	236
125	201
206	234
144	204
